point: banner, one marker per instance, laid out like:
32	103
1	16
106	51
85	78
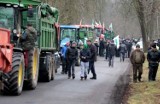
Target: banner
111	27
116	41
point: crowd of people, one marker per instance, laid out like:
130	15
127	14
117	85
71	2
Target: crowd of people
107	49
70	54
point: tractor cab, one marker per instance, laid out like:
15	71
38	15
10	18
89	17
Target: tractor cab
68	33
86	32
14	16
99	30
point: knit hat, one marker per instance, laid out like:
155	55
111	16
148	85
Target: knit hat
153	45
137	46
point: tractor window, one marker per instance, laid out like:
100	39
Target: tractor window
6	18
68	33
98	32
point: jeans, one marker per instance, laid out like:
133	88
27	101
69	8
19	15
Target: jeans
122	56
71	68
152	73
92	68
64	65
111	60
84	69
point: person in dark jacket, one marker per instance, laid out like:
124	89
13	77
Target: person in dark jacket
122	50
71	55
129	48
101	48
92	59
112	51
107	48
153	58
84	56
97	45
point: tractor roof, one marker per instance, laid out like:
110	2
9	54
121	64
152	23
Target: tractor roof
69	26
86	26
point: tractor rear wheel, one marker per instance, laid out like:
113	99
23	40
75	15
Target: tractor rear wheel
32	69
46	67
53	69
49	68
13	81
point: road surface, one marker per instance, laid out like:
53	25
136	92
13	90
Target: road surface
69	91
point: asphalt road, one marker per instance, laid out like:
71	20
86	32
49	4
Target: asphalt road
69	91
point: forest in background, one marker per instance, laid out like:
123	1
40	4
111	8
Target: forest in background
130	18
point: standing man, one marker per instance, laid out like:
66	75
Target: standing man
64	61
153	58
101	47
71	55
112	51
137	59
122	50
92	59
129	48
107	48
84	56
29	37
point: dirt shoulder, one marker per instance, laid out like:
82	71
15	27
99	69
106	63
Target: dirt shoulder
143	92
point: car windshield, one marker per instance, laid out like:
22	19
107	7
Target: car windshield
6	17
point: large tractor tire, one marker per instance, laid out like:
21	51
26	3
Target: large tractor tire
46	68
32	69
13	81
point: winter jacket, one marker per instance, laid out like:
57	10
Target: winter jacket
133	56
122	48
112	49
85	53
72	53
92	50
153	57
28	39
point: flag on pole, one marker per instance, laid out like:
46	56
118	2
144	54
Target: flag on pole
80	22
111	27
116	41
96	23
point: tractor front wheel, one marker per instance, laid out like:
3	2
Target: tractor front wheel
13	81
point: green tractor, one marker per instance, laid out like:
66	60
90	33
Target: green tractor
86	32
20	68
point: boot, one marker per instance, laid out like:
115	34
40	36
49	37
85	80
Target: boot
81	78
85	77
73	76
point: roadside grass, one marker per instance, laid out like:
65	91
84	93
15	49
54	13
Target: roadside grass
145	92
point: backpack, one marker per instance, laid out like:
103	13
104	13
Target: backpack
138	58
